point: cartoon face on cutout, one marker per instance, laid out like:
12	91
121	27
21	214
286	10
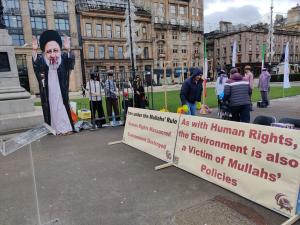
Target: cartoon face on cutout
283	202
52	52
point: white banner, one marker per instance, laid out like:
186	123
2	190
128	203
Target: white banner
286	80
258	162
151	131
234	54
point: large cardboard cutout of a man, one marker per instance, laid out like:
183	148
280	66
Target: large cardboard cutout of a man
52	69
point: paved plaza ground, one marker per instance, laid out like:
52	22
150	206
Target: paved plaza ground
83	181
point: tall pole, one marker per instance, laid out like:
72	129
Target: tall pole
270	35
130	37
2	23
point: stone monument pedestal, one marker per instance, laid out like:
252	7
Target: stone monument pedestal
17	110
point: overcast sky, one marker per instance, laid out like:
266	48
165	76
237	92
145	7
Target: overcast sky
242	11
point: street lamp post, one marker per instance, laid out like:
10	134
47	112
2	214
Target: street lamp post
131	45
2	24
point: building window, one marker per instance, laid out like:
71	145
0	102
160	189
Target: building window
91	52
175	49
98	30
161	9
111	54
172	9
120	53
101	52
181	10
38	23
183	36
118	31
146	53
36	6
62	24
173	21
88	29
12	4
108	31
197	12
183	50
160	49
17	39
60	7
182	22
193	11
13	21
174	35
156	19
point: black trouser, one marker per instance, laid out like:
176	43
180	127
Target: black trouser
265	97
240	113
112	103
97	107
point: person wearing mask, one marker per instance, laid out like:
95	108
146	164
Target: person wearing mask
219	88
191	91
249	76
52	69
93	87
264	87
111	94
237	92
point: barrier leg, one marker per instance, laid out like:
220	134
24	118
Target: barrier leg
2	146
163	166
292	220
115	142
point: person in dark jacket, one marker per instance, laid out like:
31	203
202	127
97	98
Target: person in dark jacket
139	93
52	69
237	92
191	91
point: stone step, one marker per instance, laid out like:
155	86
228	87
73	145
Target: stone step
11	123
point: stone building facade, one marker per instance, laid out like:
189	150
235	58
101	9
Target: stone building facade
171	35
249	47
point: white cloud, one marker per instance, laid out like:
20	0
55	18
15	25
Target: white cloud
242	11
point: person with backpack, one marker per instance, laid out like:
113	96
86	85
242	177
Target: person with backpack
237	92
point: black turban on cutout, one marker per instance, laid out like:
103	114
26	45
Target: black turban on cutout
49	35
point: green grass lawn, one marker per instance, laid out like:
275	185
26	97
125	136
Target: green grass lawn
173	99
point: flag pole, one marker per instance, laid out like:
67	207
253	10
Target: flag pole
203	108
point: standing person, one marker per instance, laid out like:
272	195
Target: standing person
191	91
139	93
83	91
52	69
111	97
249	76
264	87
126	103
237	92
93	86
219	88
